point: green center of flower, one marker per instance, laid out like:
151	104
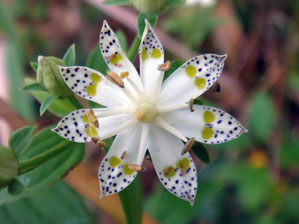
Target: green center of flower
146	112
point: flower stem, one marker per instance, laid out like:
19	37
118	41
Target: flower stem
30	164
134	48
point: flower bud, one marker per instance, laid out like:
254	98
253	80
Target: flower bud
48	75
8	166
148	6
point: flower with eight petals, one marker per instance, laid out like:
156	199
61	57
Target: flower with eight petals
145	113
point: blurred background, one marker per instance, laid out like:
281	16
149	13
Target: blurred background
253	179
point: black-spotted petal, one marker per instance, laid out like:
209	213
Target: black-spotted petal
114	172
78	126
151	55
206	124
176	172
192	79
92	85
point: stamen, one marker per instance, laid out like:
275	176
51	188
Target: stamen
188	145
92	118
191	101
135	167
182	171
120	128
99	142
148	157
114	78
124	75
135	87
108	58
163	124
123	155
114	111
143	140
164	67
167	171
164	109
157	88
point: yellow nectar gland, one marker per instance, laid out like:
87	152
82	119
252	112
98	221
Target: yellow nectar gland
146	112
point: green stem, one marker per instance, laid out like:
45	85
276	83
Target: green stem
40	159
134	48
75	102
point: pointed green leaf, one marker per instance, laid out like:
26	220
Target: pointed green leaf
60	107
51	171
15	187
70	56
151	18
34	87
20	140
201	152
46	104
34	65
116	2
49	206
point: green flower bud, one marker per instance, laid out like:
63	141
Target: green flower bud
8	166
48	75
148	6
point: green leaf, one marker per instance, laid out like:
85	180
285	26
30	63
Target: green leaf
175	2
33	87
174	66
132	202
47	103
262	116
96	61
20	140
201	152
60	107
70	56
15	187
34	65
289	154
122	39
51	171
151	18
116	2
49	206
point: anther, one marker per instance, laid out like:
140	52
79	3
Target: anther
123	155
188	145
148	157
191	101
124	75
118	65
135	167
109	57
164	67
167	171
113	77
93	119
217	88
182	171
99	142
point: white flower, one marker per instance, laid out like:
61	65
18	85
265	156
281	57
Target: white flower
144	114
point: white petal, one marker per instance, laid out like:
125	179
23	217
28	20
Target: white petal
115	57
165	150
92	85
206	124
192	79
114	174
77	127
151	55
